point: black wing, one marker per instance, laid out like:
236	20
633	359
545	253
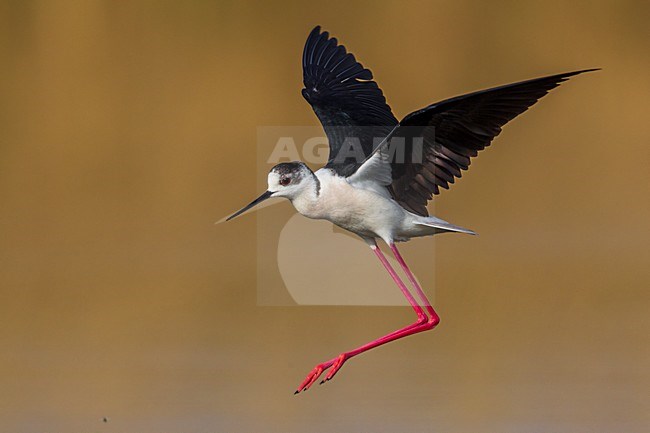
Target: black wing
455	130
350	106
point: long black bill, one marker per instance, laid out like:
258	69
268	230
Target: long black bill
258	200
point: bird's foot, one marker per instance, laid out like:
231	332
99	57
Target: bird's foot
338	363
313	375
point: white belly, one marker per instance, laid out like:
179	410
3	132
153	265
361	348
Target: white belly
361	211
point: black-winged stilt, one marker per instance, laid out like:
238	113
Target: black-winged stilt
381	173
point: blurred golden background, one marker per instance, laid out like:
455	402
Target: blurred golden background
128	128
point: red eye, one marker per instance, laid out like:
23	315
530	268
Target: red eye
285	181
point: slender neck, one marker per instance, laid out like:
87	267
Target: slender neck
307	201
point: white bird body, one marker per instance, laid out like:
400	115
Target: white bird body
361	206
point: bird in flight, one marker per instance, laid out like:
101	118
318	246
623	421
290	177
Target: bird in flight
381	172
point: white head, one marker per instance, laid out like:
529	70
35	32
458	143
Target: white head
289	180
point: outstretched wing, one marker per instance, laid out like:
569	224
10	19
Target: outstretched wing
351	106
453	131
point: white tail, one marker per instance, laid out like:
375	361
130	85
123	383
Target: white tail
442	225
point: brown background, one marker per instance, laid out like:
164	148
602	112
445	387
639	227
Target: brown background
128	128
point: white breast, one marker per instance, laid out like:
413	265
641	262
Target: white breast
366	210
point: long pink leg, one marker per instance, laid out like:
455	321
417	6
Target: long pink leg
423	323
433	316
422	318
433	319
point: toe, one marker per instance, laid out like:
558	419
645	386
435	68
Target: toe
310	379
336	367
